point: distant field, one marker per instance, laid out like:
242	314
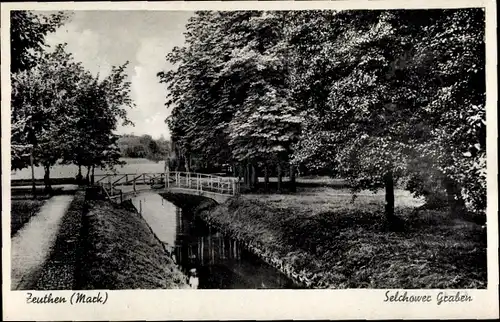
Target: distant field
70	171
309	179
139	161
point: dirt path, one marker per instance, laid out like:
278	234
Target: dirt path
31	246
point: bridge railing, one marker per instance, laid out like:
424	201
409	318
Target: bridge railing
115	185
129	178
203	182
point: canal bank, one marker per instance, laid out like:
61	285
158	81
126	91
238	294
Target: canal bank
204	208
119	252
326	240
211	258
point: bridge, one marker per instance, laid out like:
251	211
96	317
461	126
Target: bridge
119	187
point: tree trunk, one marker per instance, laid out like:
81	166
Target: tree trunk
266	178
241	172
92	178
177	163
87	177
250	176
186	163
46	179
280	179
455	200
293	187
389	196
79	176
254	177
33	186
247	174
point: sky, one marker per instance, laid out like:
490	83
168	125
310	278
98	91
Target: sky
101	39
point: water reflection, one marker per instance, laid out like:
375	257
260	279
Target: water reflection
209	259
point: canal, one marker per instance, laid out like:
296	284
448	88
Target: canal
210	259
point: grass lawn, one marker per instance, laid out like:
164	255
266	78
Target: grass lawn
22	210
326	239
119	251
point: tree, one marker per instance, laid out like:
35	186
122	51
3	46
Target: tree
202	105
100	106
63	112
143	147
366	94
231	71
27	36
42	98
455	113
389	72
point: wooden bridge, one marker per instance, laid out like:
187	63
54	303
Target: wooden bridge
118	187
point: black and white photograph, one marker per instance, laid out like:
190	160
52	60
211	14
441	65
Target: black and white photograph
258	148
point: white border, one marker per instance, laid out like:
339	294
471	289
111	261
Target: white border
255	304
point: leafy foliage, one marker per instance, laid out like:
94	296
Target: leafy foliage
223	82
60	111
376	96
27	36
41	99
398	96
101	105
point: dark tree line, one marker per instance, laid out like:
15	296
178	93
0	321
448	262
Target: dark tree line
144	146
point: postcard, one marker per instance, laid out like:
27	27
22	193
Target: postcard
249	160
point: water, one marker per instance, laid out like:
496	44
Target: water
210	259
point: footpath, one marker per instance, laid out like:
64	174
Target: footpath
31	246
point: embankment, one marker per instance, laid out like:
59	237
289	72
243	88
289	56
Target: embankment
230	222
348	247
120	252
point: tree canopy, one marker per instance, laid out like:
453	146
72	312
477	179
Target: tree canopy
27	36
60	111
374	96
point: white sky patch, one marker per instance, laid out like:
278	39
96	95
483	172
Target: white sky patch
84	45
102	39
148	94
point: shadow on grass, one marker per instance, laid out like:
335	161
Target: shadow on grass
27	193
40	182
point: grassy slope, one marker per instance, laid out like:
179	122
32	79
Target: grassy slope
120	252
21	212
330	242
